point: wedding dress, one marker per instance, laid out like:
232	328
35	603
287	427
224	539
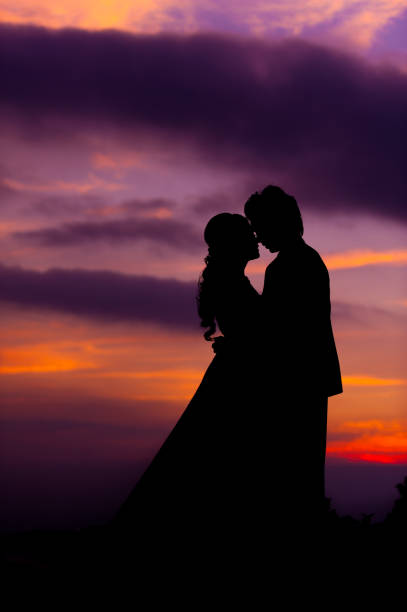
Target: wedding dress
199	477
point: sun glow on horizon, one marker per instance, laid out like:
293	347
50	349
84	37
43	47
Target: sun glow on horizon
374	440
368	457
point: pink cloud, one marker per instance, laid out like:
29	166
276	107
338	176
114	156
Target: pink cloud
93	183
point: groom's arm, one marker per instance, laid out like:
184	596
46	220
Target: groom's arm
296	307
296	302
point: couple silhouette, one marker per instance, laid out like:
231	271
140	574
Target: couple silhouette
248	453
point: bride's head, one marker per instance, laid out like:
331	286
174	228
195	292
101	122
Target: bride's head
231	244
230	239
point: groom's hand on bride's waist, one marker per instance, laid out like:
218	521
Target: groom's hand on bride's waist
218	344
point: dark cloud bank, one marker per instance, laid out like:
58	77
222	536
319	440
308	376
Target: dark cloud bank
118	297
334	126
167	232
138	225
106	295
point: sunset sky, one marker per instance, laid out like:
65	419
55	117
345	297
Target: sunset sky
125	125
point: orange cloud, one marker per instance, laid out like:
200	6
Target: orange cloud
366	18
143	15
99	160
354	20
159	212
142	365
39	360
168	384
159	374
375	441
52	186
372	381
356	259
341	261
118	163
9	226
374	424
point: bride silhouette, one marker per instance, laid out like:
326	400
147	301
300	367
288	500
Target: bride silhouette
199	477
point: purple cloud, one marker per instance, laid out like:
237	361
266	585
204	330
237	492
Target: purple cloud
333	125
117	297
5	191
137	206
60	206
103	294
360	316
167	232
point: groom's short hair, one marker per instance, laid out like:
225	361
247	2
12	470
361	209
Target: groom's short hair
275	204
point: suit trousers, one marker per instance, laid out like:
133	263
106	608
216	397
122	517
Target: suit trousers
297	466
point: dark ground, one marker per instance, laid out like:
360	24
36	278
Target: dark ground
357	553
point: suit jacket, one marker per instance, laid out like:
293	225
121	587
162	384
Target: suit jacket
297	322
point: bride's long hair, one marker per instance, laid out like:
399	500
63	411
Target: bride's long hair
222	233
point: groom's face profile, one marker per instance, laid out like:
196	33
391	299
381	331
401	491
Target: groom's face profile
275	218
267	231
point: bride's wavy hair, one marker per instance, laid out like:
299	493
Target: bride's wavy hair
221	235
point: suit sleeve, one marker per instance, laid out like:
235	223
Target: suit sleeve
296	307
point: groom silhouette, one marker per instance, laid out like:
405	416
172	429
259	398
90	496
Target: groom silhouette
301	367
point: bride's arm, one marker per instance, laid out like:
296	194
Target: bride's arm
218	344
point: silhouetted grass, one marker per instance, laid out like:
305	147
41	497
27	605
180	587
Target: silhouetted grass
103	553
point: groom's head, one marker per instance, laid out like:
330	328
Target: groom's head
275	217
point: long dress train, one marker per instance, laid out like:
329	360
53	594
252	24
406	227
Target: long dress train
198	480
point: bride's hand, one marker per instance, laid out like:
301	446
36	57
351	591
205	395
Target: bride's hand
218	344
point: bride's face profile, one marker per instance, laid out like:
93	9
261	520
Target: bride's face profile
249	243
231	237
